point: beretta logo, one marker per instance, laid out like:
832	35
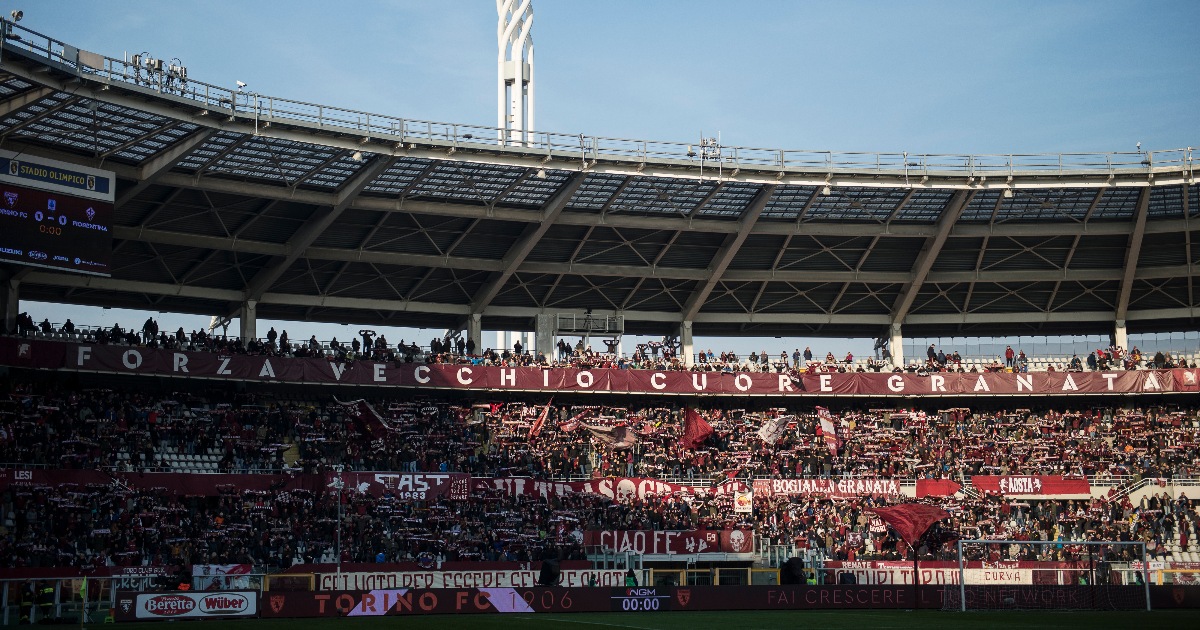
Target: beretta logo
224	604
684	595
170	605
277	603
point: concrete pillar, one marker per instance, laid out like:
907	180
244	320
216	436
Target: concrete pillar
475	331
544	335
248	321
896	346
686	347
10	301
1121	335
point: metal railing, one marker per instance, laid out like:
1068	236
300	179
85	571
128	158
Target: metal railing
155	75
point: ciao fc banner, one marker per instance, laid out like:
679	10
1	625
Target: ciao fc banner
52	355
186	605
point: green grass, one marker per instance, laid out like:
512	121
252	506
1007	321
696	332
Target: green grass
744	620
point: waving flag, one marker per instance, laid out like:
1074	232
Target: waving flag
616	438
695	429
368	420
828	429
773	429
537	425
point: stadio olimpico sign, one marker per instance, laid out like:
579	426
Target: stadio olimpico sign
52	355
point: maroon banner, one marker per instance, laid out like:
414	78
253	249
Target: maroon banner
53	355
937	488
408	486
619	488
1030	485
837	488
672	542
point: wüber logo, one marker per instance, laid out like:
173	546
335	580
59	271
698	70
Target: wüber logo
224	604
170	605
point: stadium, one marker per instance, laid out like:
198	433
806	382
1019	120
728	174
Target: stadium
566	474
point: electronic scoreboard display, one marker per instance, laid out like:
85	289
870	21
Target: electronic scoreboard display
55	215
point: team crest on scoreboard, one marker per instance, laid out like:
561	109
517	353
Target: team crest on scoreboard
683	595
277	603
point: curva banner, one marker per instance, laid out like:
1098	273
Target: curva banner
54	355
186	604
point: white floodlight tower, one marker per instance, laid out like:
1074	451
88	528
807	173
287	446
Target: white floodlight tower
514	80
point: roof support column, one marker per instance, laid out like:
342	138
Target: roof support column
1132	252
544	333
896	346
10	299
1120	335
248	321
687	348
474	333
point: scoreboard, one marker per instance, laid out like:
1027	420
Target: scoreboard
55	215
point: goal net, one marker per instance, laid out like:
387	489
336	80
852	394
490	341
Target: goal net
1049	575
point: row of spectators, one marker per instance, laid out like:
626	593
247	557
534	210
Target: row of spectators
652	356
134	430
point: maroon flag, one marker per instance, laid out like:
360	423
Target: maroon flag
616	438
695	429
537	424
368	420
911	520
574	422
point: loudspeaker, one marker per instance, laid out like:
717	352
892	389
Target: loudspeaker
792	571
550	573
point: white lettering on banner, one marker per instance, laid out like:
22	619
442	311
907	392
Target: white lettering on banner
545	378
1020	485
896	576
132	359
508	377
937	383
658	380
895	383
999	576
785	383
224	367
1109	377
1151	382
419	372
85	353
180	362
702	384
1024	381
1069	384
379	376
357	581
267	369
981	385
844	487
742	382
825	380
466	371
338	370
584	379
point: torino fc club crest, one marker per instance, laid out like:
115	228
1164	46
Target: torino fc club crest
684	595
277	603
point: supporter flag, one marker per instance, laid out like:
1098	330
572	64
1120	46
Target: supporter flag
575	421
541	419
911	520
773	429
828	429
365	416
743	501
616	438
695	429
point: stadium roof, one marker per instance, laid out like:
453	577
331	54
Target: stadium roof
328	214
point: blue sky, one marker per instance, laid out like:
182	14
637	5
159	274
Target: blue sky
936	77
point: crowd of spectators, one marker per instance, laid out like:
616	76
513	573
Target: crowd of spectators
138	431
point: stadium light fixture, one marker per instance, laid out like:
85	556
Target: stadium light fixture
826	191
17	15
541	173
356	156
241	85
1008	193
